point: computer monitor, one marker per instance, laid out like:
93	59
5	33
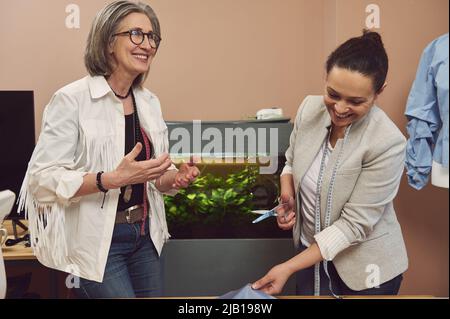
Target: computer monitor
17	140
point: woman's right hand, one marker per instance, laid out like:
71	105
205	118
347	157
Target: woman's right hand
131	171
286	221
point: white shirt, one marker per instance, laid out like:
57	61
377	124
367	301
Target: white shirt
83	131
308	187
330	240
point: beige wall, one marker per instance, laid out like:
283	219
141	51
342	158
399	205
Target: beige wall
225	59
218	60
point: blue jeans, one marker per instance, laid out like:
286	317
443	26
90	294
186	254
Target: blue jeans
305	283
133	268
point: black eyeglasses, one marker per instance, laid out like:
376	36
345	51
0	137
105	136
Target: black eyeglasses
137	37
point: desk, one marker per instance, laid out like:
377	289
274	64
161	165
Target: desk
316	297
19	255
362	297
17	252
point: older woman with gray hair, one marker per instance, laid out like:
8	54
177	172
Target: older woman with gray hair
93	211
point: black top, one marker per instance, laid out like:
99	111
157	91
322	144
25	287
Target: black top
137	196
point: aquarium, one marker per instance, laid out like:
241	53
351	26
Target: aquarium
240	163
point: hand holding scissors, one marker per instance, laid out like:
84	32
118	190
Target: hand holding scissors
286	221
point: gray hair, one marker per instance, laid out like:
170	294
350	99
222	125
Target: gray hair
105	24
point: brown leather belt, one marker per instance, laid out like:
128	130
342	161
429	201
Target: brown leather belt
130	215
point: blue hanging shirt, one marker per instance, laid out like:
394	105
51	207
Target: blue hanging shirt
427	113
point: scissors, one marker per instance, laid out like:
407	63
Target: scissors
267	213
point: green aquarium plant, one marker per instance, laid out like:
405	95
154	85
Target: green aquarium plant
209	198
216	206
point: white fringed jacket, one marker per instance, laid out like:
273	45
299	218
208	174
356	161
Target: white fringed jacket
83	131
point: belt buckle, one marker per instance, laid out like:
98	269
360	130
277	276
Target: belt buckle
128	217
128	213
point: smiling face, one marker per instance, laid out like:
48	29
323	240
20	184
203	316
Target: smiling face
130	59
349	96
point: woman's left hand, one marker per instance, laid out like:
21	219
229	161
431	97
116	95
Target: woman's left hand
273	282
187	173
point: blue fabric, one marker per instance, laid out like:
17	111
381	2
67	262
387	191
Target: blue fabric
133	268
427	113
246	292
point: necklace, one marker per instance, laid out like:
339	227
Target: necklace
148	153
129	188
136	134
122	97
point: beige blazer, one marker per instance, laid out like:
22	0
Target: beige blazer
366	183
